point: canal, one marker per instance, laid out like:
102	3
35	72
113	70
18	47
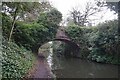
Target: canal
63	67
76	68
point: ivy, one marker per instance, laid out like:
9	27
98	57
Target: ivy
16	61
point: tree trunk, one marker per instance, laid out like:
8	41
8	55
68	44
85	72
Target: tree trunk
13	24
11	32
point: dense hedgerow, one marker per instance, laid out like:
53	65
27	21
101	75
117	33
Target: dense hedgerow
99	43
16	61
105	43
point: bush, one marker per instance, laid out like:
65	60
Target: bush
104	43
76	33
6	25
16	61
100	43
31	34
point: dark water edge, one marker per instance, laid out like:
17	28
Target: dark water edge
79	68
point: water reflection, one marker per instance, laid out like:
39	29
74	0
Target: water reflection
76	68
65	68
49	60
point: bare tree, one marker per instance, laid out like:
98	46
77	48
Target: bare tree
81	17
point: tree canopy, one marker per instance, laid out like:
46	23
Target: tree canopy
82	17
113	6
52	16
20	10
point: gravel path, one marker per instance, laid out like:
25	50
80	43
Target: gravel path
40	71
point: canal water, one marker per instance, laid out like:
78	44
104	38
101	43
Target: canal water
76	68
63	67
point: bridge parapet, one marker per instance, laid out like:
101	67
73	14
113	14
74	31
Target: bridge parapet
61	34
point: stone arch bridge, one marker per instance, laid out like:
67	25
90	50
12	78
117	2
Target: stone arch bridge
74	47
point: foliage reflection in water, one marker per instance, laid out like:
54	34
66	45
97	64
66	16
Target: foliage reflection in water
65	67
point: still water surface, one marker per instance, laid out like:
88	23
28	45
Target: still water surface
76	68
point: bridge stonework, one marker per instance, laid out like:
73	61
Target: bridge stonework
74	47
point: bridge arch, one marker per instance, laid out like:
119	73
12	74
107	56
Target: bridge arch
62	36
74	48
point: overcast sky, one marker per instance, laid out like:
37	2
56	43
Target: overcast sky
64	6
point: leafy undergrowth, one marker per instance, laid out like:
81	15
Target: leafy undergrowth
16	60
104	58
100	43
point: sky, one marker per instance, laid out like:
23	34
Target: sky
65	6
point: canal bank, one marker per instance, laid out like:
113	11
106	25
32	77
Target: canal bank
54	67
40	70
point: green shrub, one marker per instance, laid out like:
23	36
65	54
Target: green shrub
100	43
76	34
6	25
31	34
104	42
16	61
